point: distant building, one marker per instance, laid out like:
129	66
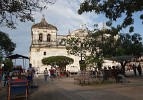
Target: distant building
46	42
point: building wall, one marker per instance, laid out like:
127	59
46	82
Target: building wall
56	47
45	32
37	56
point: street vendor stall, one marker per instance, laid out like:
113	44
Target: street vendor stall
17	85
17	82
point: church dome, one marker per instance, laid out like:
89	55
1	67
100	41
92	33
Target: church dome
79	32
44	25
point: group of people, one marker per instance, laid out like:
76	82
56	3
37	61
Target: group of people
47	74
105	73
137	68
118	72
54	73
111	72
29	74
17	72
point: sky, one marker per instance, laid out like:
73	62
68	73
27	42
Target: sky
63	14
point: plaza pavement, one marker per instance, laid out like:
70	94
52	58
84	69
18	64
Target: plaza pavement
65	89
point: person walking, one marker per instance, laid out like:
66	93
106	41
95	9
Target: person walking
121	77
139	69
134	69
31	72
46	74
52	75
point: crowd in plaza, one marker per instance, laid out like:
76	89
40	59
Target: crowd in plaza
118	72
55	73
17	72
30	73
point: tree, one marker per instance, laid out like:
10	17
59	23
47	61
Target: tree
60	61
8	65
6	44
129	44
76	46
109	43
114	9
20	9
96	44
126	44
113	43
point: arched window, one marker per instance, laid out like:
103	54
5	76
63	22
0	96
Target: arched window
48	38
40	37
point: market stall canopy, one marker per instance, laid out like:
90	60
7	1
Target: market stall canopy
17	56
122	58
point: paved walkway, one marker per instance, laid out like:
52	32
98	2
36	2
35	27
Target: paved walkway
65	89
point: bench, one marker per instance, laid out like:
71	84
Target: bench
82	77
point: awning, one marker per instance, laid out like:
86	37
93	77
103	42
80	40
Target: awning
121	58
17	56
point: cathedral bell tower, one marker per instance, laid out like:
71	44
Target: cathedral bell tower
44	37
43	34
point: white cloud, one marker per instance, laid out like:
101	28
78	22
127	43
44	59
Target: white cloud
64	15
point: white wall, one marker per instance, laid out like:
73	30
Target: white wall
36	58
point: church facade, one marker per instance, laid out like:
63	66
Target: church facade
46	42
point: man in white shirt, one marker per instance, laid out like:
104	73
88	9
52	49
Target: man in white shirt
46	74
31	71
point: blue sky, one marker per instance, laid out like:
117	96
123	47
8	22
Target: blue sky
62	14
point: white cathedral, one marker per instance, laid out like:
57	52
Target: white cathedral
46	42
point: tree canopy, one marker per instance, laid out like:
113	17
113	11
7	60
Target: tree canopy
75	46
6	44
7	65
60	61
114	9
129	44
106	43
103	43
10	10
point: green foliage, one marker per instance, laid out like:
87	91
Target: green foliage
141	16
114	9
1	59
131	29
8	64
103	44
96	43
10	10
60	61
130	44
94	60
82	65
76	47
125	44
6	44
